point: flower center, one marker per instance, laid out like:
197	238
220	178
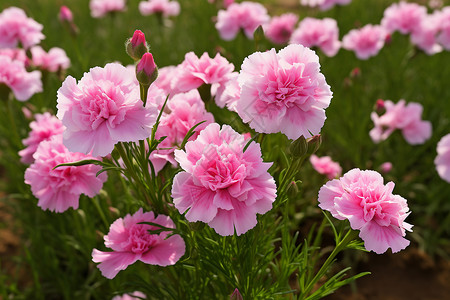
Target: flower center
139	239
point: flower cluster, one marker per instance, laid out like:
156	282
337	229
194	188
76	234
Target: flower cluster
100	8
165	7
324	4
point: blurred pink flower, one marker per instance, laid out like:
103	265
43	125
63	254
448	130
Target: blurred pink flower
324	4
165	77
184	110
323	34
102	109
280	28
60	188
194	72
386	167
100	8
65	14
284	92
324	165
131	241
443	36
43	128
403	17
406	118
17	54
366	42
56	59
424	36
22	83
221	185
228	92
369	205
133	296
442	160
16	27
245	15
165	7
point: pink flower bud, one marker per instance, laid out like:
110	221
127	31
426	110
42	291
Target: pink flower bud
137	46
380	107
138	38
236	295
65	14
146	70
386	167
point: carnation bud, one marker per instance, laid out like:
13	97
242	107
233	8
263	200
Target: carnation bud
146	70
65	14
355	73
380	107
388	39
258	36
136	47
314	143
236	295
299	147
386	167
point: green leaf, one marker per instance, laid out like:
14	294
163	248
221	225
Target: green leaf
81	163
189	134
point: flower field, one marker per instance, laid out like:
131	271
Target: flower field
216	149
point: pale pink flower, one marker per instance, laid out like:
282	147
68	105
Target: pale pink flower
16	27
60	188
182	112
43	128
132	241
100	8
65	14
366	42
194	72
442	160
369	205
443	36
284	92
221	185
323	34
245	15
407	118
22	83
102	109
17	54
324	165
165	77
424	36
386	167
324	4
228	93
403	17
56	59
280	28
133	296
165	7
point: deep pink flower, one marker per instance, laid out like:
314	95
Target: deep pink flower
442	160
221	185
403	17
56	59
131	241
16	27
100	8
366	42
406	118
324	165
323	34
245	15
194	71
102	109
443	36
284	92
146	70
22	83
65	14
324	4
424	36
280	29
228	92
369	205
43	128
59	189
165	7
182	112
133	296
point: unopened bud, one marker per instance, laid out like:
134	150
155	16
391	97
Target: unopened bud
299	147
236	295
65	14
146	70
386	167
355	73
136	46
314	143
380	108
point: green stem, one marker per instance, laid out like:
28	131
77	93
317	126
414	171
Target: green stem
100	211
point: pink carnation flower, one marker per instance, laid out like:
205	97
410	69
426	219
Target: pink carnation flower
324	4
165	7
16	27
60	188
324	165
406	118
245	15
43	128
366	42
284	92
22	83
56	59
133	296
165	77
228	93
442	160
280	29
131	241
65	14
17	54
443	36
404	17
424	36
100	8
194	71
102	109
183	112
323	34
369	205
221	185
